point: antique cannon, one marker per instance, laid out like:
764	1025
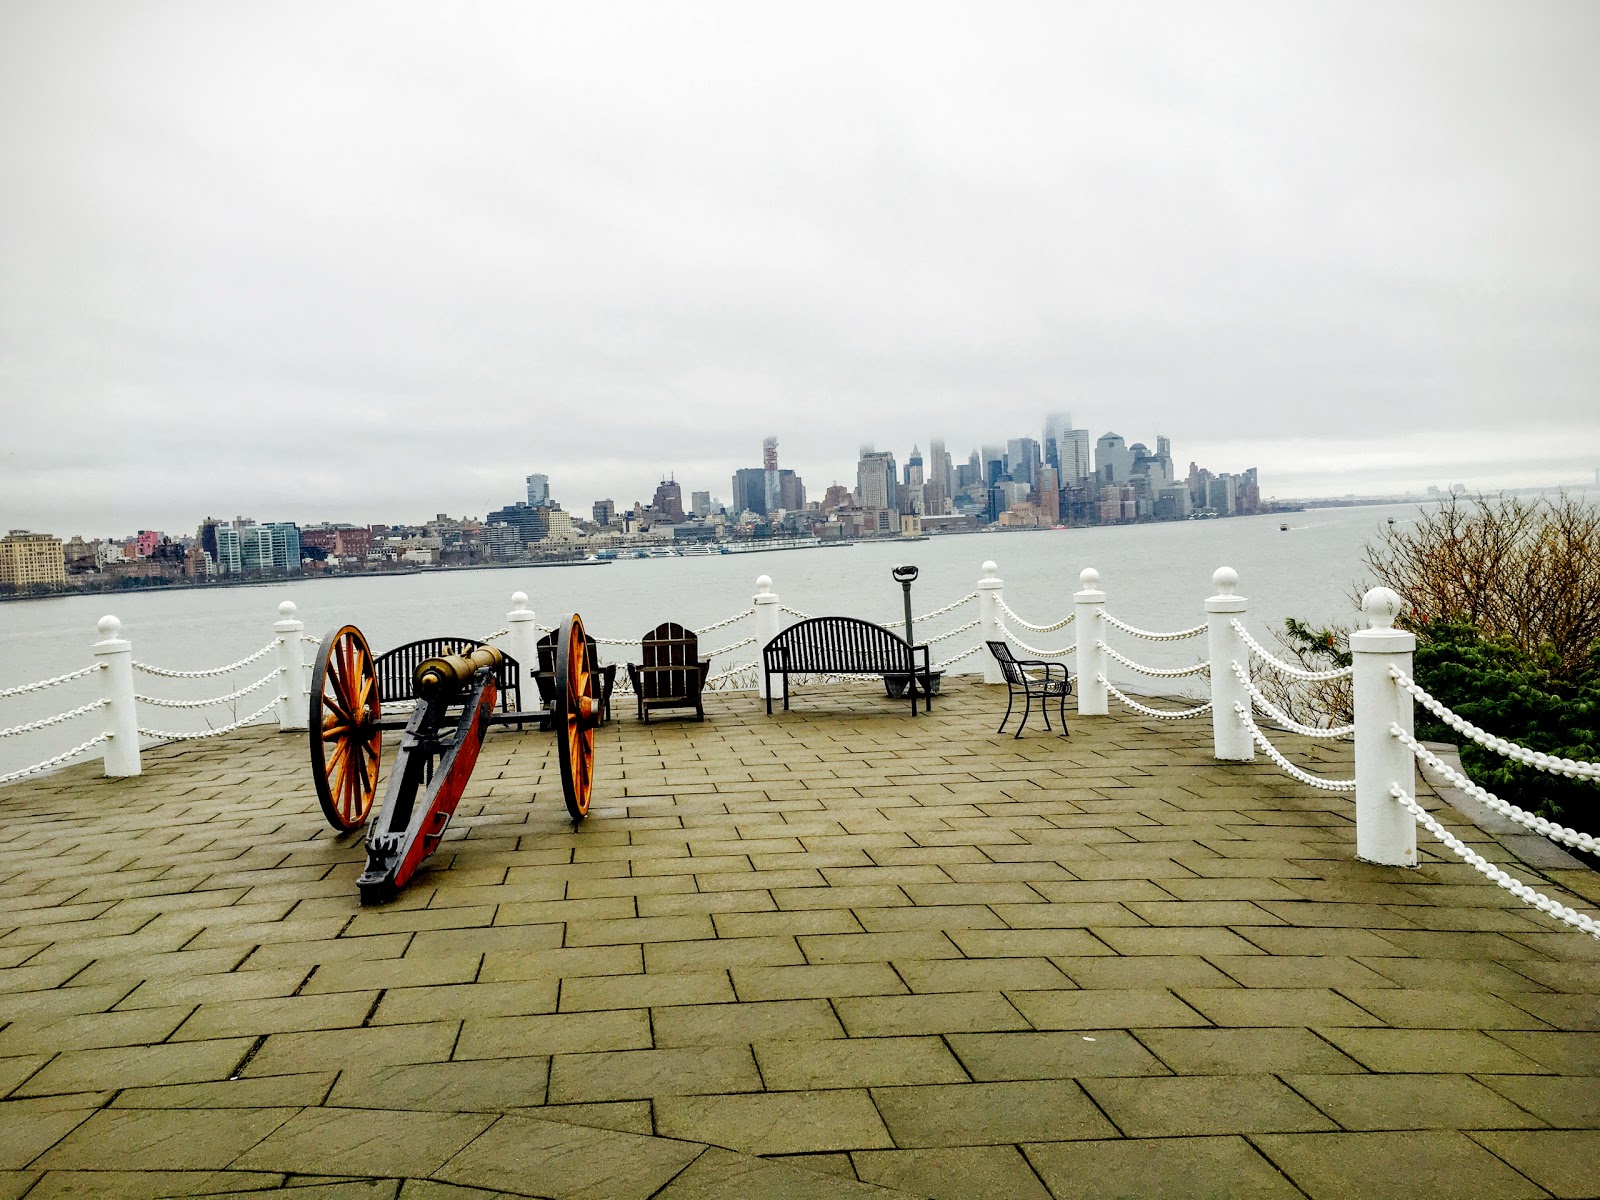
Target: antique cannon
456	693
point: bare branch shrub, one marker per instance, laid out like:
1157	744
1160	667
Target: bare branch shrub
1321	703
1528	570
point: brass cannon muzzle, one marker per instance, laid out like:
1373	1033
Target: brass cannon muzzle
436	677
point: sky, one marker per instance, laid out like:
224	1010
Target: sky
375	261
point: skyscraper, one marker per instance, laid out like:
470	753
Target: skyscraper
875	480
1055	425
1075	466
1022	459
538	490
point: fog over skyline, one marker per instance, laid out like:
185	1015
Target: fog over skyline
374	261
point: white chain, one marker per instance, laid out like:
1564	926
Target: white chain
1158	713
1556	833
1034	650
498	633
967	599
733	620
56	761
1537	759
1262	653
1175	636
46	683
949	662
1061	624
1199	668
1283	718
731	646
55	720
959	629
159	702
1272	752
243	662
794	612
613	641
1515	886
544	628
315	641
735	679
217	732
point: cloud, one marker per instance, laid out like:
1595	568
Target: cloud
375	261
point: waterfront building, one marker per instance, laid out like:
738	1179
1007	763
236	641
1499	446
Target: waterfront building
31	558
1075	465
700	504
911	498
605	512
1049	496
538	490
285	537
876	486
230	560
1113	460
668	502
529	521
1022	460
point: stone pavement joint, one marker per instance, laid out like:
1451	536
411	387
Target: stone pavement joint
840	951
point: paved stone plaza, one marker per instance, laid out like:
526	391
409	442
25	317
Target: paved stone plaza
835	952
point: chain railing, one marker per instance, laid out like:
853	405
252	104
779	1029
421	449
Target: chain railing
168	736
1550	763
1278	664
59	760
54	681
207	674
1007	611
1586	842
1276	755
1176	635
1259	698
1199	668
1493	873
1034	650
1160	714
59	718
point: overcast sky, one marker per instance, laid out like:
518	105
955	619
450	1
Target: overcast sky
373	261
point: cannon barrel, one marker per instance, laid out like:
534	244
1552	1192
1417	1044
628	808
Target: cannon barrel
452	673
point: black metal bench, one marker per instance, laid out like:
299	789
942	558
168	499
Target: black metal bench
846	646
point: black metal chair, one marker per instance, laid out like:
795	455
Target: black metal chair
1023	675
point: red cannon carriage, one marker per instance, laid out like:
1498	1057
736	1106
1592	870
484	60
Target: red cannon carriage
456	693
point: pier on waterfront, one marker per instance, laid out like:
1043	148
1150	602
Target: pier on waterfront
839	951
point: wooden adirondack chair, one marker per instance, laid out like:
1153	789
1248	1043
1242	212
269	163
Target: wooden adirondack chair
672	675
545	676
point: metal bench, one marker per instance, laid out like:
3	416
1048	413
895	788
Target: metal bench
846	646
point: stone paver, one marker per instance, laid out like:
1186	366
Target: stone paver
835	952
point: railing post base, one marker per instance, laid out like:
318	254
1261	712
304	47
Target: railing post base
523	643
1090	606
116	686
1386	833
989	592
293	693
767	618
1230	737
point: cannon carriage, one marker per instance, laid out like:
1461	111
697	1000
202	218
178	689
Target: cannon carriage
455	692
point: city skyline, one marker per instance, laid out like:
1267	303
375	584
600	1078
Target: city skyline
251	268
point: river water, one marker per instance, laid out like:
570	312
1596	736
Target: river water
1155	577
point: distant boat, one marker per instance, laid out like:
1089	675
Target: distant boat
1284	528
698	551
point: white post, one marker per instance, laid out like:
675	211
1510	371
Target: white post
989	591
1230	736
1090	606
1385	832
116	685
293	694
767	620
523	645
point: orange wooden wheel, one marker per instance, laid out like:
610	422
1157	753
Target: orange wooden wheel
577	712
345	739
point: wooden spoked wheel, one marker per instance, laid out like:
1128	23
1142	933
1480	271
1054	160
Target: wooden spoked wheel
345	738
577	712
